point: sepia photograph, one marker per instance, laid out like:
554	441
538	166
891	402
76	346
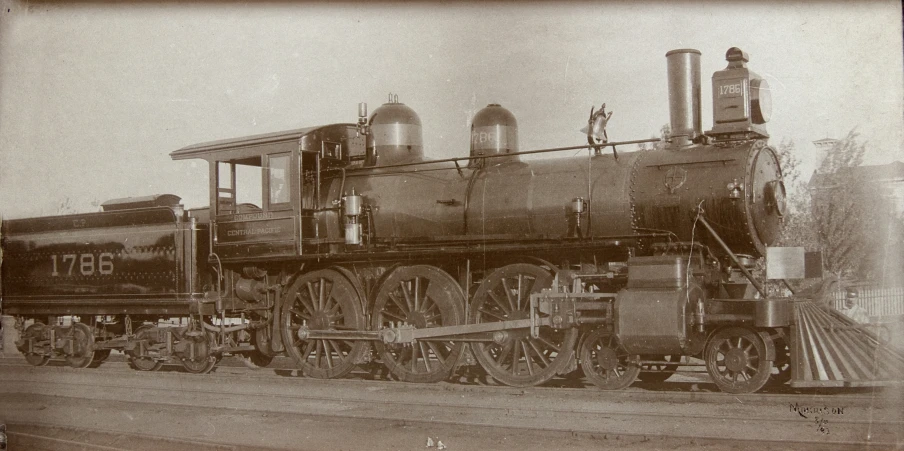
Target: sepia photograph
423	225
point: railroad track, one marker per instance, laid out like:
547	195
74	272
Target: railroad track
40	437
690	386
633	413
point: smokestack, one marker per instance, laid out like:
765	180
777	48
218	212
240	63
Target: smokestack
684	95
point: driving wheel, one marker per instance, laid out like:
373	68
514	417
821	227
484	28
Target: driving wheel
514	357
424	297
323	300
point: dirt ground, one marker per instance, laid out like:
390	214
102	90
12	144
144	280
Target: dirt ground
54	407
263	431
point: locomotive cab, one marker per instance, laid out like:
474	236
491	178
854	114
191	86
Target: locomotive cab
265	189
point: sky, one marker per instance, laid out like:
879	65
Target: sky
95	96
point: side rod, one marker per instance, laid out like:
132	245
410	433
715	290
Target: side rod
408	334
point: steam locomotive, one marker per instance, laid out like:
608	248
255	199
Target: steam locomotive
342	244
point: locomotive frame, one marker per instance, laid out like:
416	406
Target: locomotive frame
355	248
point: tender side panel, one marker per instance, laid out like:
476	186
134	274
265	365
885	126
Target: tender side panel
102	263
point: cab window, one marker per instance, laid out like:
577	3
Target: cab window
239	186
278	174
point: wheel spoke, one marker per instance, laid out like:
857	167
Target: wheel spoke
317	353
724	346
547	343
494	315
527	291
326	292
539	354
527	359
300	313
495	298
433	308
424	353
327	354
414	352
393	314
520	292
307	349
503	354
395	299
516	359
305	302
328	302
436	351
313	296
407	296
335	345
417	293
336	305
508	294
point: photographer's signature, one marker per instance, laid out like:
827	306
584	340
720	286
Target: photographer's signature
819	414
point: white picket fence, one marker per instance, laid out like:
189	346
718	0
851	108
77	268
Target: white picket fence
878	302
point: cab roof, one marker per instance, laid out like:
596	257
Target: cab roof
239	147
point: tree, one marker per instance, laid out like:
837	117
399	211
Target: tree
840	212
848	213
798	228
664	132
67	206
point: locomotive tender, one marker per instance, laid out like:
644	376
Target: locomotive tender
341	244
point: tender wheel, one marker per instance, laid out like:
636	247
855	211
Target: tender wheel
35	331
736	360
658	372
323	300
422	296
204	361
37	360
100	355
515	358
606	363
142	363
82	346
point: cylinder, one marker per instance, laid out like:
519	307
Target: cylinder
684	94
494	131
